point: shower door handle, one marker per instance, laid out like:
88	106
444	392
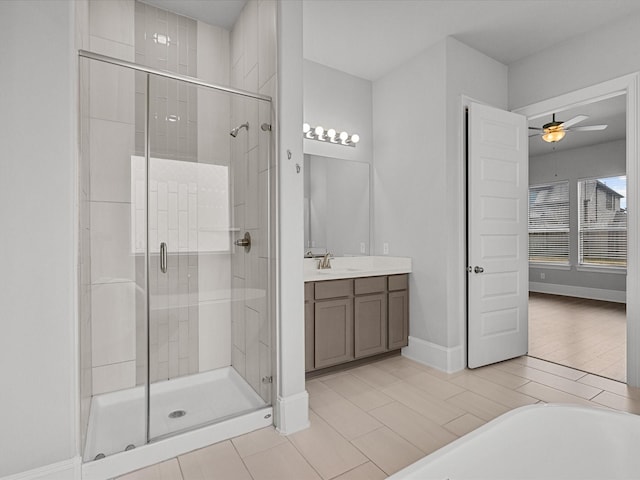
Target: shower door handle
163	257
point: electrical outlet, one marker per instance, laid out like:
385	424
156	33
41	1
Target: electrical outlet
385	248
542	275
362	247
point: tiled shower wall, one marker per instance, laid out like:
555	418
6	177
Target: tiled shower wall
253	68
111	131
189	210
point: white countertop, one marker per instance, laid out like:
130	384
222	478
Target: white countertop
354	267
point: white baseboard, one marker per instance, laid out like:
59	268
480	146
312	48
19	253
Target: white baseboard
293	413
580	292
65	470
446	359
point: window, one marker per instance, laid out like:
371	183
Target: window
549	223
602	225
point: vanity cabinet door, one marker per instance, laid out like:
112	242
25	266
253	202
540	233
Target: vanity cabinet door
370	323
309	348
398	319
333	332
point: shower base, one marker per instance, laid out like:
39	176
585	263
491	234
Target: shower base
117	419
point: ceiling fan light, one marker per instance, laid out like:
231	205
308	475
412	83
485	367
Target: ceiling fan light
552	135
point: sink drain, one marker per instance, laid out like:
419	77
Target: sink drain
177	414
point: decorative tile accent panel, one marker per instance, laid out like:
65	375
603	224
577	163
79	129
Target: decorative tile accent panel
189	211
167	41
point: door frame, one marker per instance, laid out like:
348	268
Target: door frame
629	85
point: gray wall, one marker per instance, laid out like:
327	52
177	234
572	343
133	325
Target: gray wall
602	160
582	61
419	197
37	243
334	99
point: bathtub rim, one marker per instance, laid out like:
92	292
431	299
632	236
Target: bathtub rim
406	472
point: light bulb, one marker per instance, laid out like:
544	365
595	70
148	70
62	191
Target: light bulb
319	131
355	138
306	128
344	136
331	134
553	134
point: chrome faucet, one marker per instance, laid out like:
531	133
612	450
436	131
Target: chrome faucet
325	262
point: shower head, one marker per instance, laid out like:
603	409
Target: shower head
234	132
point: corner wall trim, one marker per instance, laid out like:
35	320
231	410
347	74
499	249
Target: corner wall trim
293	413
446	359
617	296
65	470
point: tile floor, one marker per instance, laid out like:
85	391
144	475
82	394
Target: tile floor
589	335
371	421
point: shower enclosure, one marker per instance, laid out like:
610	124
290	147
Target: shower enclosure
176	255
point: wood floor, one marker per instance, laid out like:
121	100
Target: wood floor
588	335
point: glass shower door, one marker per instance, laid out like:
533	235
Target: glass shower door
209	346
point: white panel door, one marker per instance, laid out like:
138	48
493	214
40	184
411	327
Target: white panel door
497	231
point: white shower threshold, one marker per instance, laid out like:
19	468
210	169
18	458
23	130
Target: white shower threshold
220	400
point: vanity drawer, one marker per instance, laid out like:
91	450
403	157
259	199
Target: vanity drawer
398	282
370	285
334	288
308	291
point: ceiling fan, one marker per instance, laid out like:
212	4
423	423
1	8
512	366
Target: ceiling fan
555	131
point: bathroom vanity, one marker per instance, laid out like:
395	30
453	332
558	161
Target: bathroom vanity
357	309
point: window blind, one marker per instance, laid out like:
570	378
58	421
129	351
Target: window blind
549	223
602	222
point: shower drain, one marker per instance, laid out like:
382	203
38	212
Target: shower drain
177	414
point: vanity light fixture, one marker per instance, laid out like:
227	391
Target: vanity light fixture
330	135
161	39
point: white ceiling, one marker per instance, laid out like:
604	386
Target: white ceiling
369	38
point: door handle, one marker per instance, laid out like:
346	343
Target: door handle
163	257
478	269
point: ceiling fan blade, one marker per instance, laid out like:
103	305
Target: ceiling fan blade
587	128
534	134
574	120
535	128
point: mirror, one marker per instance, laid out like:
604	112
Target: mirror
336	206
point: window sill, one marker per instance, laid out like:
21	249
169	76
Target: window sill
601	269
550	266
